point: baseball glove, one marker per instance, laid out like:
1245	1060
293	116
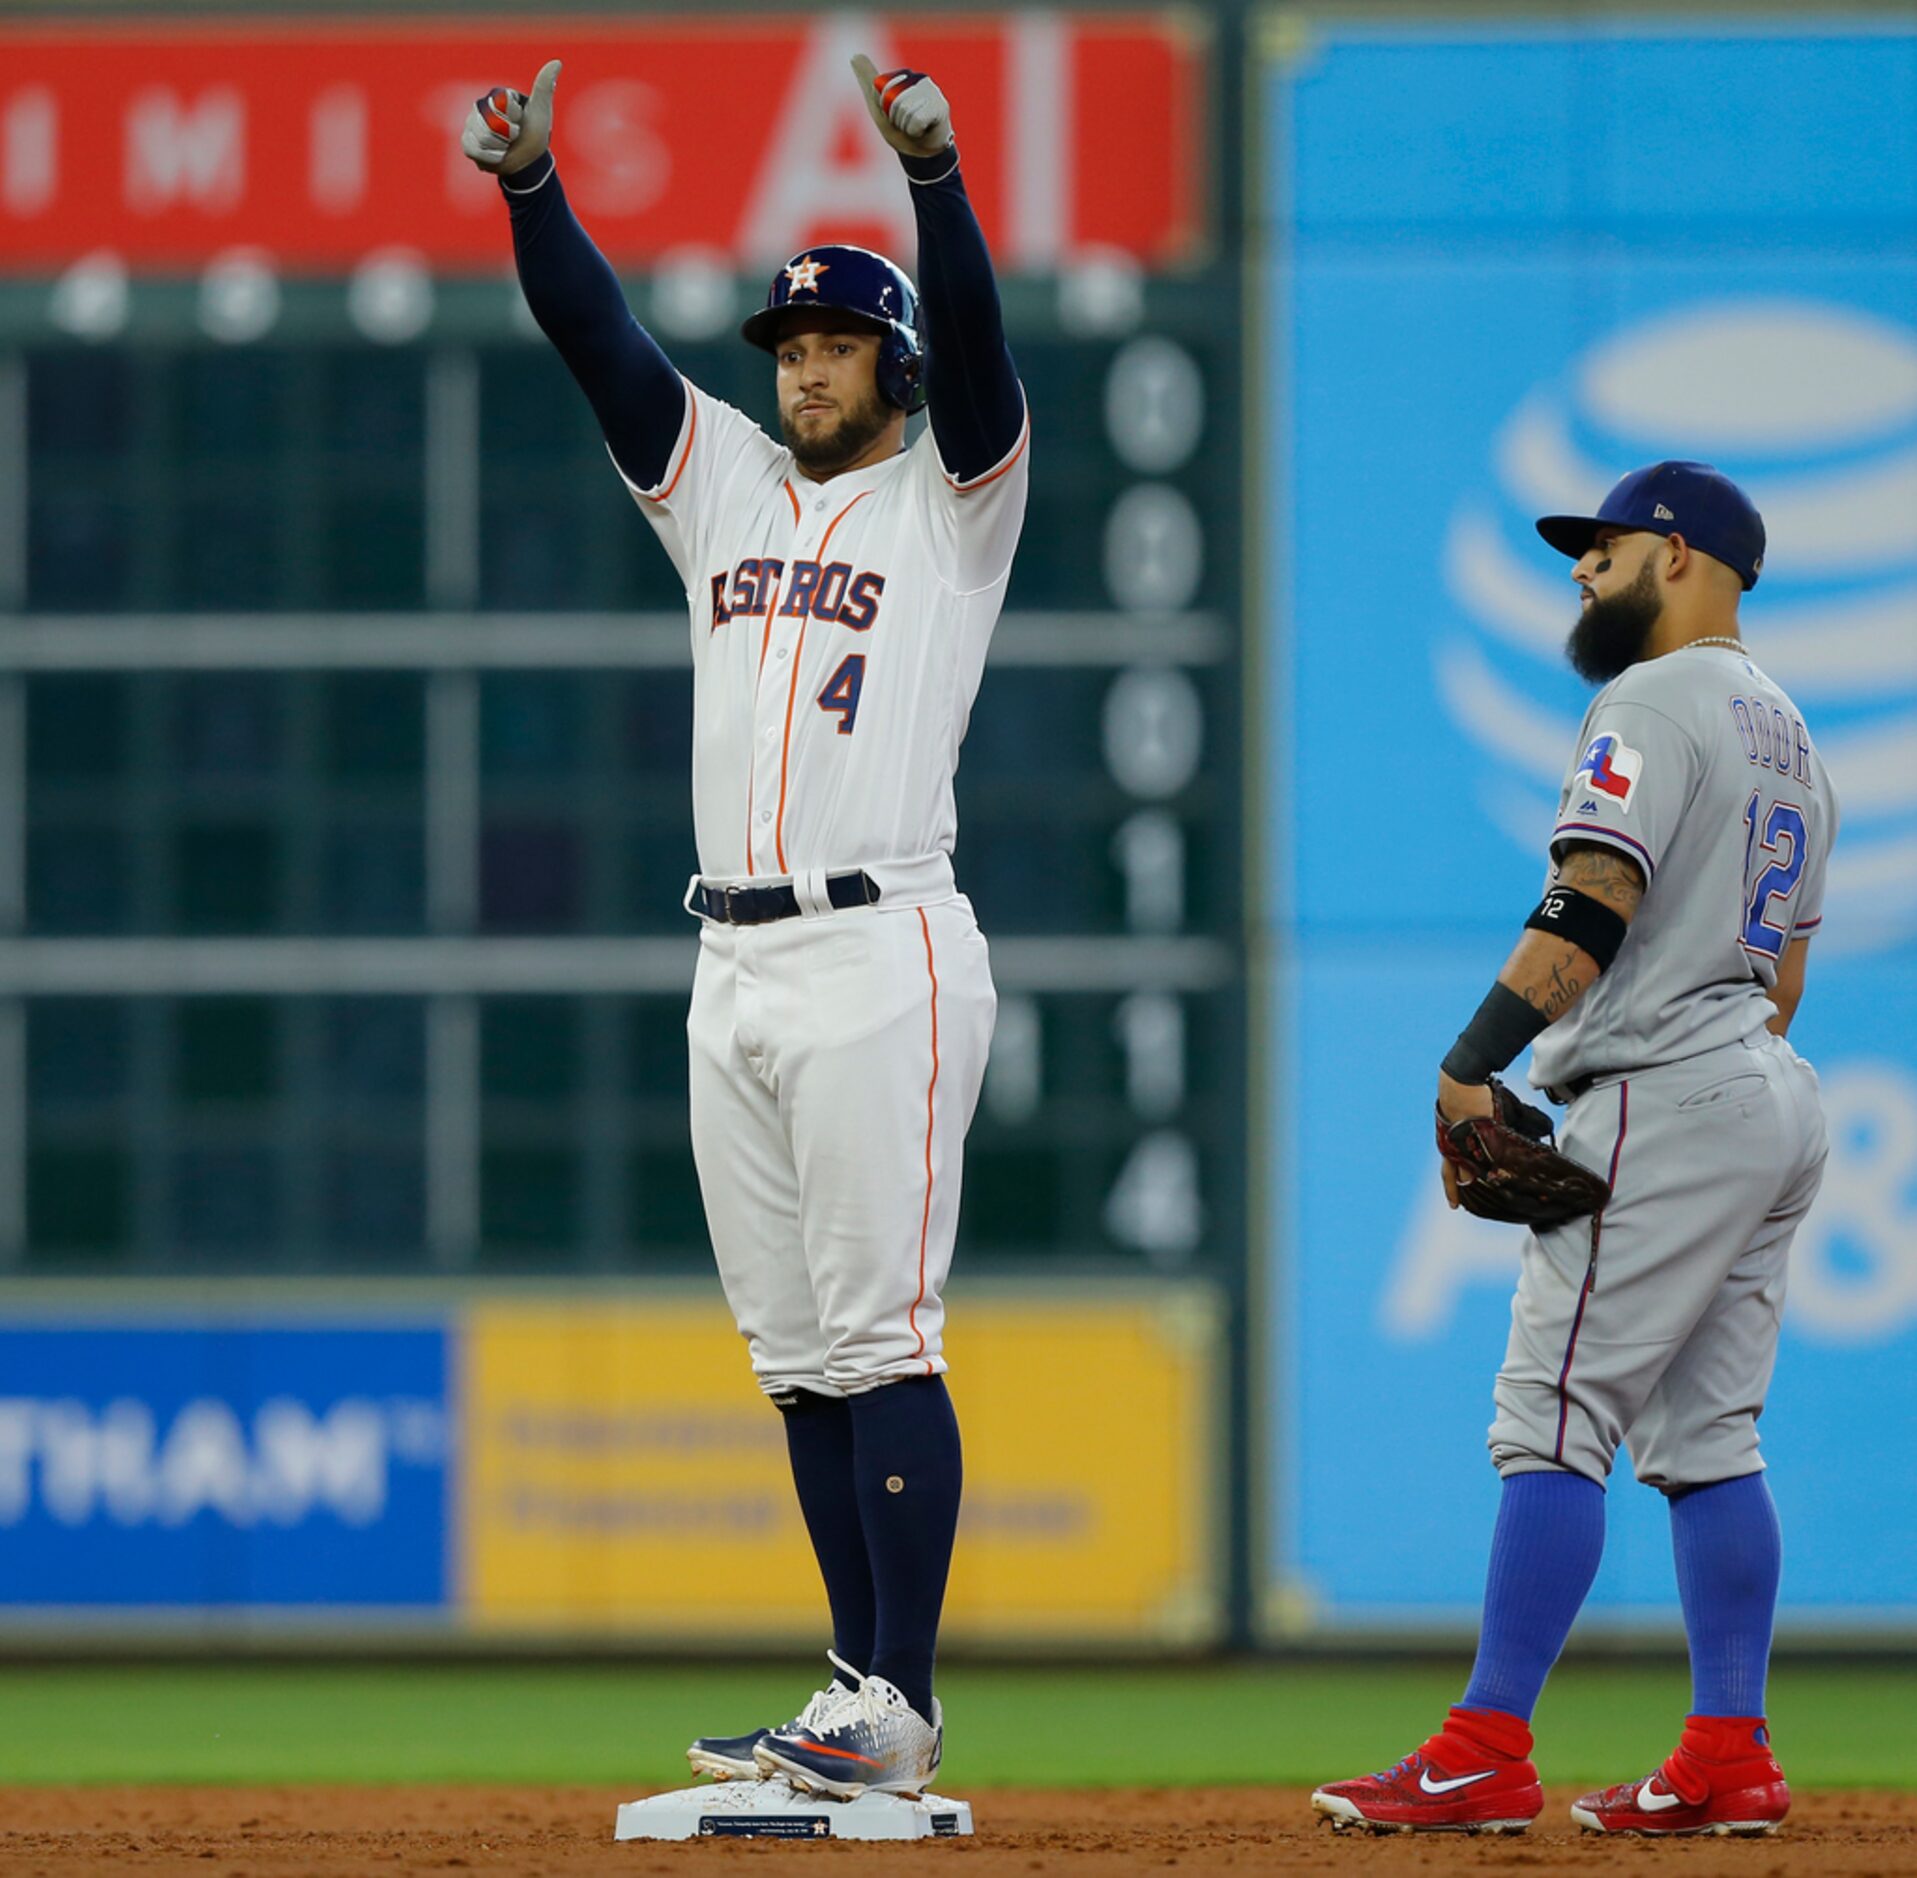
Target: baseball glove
1509	1166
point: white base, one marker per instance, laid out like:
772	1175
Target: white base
775	1809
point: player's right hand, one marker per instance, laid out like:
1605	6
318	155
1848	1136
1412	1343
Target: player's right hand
506	130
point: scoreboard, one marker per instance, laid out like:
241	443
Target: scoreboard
346	710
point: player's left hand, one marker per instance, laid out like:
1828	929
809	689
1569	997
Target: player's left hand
1456	1101
909	109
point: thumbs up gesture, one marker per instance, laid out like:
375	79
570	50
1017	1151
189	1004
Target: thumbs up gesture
506	130
909	109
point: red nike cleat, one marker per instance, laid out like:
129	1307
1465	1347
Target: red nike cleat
1474	1775
1722	1778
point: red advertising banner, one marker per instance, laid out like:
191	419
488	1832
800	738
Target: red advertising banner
318	142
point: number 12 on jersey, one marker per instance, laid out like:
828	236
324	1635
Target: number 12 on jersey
842	690
1782	841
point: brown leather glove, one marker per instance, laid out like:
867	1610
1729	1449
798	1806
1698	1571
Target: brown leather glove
1509	1167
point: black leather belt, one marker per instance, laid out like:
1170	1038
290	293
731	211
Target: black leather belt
1565	1093
753	906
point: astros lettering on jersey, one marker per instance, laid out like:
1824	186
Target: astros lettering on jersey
839	632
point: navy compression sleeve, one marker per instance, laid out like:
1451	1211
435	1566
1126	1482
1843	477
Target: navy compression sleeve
638	397
972	389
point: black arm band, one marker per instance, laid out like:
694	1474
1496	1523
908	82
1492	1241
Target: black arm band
1503	1026
1589	924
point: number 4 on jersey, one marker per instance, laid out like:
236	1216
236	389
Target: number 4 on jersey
1782	840
842	690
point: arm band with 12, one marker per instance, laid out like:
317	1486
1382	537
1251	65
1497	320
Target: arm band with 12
1588	924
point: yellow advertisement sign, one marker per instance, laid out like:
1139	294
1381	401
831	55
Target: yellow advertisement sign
624	1475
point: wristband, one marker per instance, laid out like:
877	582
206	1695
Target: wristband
931	169
1503	1025
536	175
1588	924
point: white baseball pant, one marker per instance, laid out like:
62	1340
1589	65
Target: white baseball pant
836	1061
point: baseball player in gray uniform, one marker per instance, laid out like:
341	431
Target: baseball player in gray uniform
1656	982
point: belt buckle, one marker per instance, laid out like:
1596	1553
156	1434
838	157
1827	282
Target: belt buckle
732	918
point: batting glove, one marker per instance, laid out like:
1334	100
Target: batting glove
506	130
909	109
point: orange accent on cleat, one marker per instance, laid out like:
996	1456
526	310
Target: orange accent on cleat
838	1754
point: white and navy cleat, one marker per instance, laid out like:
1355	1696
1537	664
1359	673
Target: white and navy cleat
731	1757
872	1742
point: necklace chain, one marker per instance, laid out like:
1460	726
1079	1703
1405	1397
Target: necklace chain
1735	645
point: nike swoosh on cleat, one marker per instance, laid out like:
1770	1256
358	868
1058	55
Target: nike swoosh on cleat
1451	1786
842	1754
1651	1802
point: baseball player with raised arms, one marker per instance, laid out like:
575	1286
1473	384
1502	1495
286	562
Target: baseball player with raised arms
843	586
1655	983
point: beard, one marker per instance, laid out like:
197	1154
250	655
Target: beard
826	451
1612	633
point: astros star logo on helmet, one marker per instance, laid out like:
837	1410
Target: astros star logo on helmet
804	275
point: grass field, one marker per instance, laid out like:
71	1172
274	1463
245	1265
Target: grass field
1093	1726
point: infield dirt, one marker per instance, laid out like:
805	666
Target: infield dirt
60	1832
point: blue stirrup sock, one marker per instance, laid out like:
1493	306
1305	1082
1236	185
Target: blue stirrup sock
908	1471
1544	1554
818	1442
1729	1554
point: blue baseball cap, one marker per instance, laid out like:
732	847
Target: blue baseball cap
1690	499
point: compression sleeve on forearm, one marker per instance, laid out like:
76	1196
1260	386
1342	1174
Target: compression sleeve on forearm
635	392
976	406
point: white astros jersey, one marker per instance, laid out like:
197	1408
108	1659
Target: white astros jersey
839	632
1699	767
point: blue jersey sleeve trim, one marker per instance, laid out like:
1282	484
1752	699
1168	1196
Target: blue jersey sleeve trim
1611	835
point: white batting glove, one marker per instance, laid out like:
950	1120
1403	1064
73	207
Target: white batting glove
506	130
909	109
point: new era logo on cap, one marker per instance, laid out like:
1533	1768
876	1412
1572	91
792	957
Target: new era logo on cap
1719	518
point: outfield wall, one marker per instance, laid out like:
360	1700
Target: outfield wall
347	939
1504	263
561	1467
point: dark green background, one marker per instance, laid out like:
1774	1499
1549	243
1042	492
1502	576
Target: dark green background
233	1134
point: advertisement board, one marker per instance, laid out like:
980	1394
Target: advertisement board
245	1464
625	1475
1506	264
312	144
550	1466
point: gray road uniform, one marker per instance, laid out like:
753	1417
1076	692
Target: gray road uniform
1656	1323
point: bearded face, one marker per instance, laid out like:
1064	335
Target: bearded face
830	411
1611	635
826	436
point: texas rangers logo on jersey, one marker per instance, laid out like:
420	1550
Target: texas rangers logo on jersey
1612	768
804	274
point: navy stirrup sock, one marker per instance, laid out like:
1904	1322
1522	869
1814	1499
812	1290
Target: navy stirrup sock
907	1466
1544	1554
1729	1554
818	1441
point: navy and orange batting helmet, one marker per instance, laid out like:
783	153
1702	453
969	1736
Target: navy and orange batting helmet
869	287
